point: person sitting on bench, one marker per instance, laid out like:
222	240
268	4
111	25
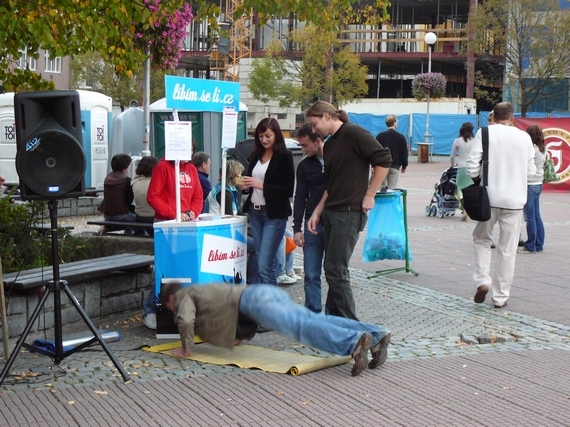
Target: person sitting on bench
143	211
117	204
225	314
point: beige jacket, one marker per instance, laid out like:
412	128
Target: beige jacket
209	311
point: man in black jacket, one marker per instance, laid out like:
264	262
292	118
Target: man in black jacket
349	152
398	146
308	194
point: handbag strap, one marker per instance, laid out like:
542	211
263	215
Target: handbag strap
485	161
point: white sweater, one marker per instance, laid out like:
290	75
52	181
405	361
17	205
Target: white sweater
539	159
511	162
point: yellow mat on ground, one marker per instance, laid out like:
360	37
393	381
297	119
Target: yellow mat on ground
249	356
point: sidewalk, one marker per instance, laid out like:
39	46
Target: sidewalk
440	371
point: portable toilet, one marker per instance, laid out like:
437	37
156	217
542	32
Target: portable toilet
127	133
206	131
96	118
206	126
8	138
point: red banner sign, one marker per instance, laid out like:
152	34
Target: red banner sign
557	141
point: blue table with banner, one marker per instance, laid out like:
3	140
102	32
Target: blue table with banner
387	235
197	253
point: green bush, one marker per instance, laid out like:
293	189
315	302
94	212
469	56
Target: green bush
23	247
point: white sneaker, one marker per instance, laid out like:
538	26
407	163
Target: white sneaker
149	320
285	280
293	275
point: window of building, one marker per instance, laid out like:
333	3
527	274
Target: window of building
53	65
27	61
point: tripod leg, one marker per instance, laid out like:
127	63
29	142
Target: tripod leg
95	332
24	335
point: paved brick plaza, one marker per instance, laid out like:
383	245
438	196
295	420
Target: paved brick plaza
438	372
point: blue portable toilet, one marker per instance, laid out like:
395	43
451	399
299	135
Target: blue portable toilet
96	119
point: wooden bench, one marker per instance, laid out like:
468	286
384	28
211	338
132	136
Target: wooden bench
123	225
77	270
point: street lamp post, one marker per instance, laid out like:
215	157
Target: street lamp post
430	39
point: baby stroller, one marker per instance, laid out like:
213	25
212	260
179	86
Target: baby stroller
443	202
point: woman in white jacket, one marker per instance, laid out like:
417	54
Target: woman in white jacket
459	154
534	226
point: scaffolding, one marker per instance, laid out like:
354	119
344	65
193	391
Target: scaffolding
240	33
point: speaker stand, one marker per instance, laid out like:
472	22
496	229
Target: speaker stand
56	286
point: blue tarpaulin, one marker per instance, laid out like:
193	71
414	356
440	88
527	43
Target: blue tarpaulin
376	123
443	128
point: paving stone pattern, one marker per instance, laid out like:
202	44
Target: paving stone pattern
451	362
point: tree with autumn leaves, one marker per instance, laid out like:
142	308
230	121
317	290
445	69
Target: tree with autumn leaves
123	33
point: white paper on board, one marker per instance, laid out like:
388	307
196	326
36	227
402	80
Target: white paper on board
178	140
229	128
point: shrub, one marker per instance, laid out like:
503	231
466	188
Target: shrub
23	247
433	84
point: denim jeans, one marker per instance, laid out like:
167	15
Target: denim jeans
149	303
284	260
272	307
341	230
313	252
534	225
128	217
267	234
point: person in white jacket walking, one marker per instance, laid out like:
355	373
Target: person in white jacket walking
511	162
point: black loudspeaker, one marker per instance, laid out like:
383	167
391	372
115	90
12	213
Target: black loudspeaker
50	160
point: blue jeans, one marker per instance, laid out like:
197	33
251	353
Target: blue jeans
267	234
534	225
149	304
313	252
272	307
341	230
284	260
128	217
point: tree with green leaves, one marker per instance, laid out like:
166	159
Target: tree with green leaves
533	38
124	33
90	71
322	71
324	14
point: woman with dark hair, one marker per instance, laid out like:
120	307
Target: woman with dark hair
144	212
117	204
531	210
270	179
459	154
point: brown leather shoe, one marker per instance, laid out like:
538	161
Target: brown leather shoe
380	352
500	306
360	354
481	294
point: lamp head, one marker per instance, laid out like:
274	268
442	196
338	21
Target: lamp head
430	38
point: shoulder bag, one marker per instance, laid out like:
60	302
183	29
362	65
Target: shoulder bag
475	199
